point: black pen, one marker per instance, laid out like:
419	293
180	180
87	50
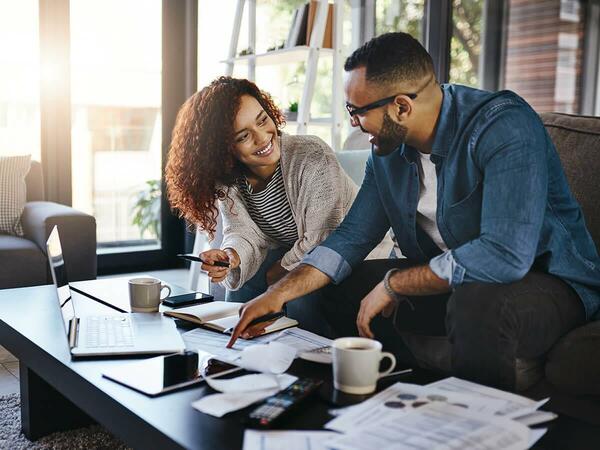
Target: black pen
191	257
266	318
260	319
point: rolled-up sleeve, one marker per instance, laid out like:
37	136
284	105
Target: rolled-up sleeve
446	267
329	262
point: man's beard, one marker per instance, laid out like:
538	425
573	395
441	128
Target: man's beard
390	136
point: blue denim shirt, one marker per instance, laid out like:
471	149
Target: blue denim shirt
503	205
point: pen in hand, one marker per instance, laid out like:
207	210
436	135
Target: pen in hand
191	257
265	318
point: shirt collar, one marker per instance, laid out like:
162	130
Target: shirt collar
444	130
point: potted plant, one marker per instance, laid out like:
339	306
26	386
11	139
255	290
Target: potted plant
146	209
291	113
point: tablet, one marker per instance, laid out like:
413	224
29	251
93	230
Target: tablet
162	374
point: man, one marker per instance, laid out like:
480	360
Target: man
498	256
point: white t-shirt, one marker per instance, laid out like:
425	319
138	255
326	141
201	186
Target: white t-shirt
427	207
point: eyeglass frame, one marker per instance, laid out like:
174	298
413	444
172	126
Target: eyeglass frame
382	102
353	111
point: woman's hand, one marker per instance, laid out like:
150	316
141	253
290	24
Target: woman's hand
218	273
275	273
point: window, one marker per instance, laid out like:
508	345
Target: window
465	45
283	80
116	118
19	78
396	15
544	49
121	129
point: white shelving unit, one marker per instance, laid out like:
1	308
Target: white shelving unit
309	54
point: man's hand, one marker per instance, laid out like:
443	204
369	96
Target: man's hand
275	273
300	281
415	281
377	301
261	305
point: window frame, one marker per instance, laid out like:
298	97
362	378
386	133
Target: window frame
179	31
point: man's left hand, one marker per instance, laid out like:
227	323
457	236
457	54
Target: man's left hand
377	301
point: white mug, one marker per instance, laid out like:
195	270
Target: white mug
144	294
356	364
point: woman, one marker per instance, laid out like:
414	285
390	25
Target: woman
278	195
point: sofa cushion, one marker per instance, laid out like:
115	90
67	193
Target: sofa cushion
13	192
22	262
577	140
573	364
353	162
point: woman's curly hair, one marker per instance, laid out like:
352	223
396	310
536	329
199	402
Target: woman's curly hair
201	164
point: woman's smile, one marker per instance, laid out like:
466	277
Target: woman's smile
266	150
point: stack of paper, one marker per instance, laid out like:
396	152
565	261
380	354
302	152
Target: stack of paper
515	406
214	343
452	413
437	425
287	440
449	414
272	355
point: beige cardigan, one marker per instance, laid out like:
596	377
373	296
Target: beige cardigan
320	195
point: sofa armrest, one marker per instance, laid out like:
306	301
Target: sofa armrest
77	230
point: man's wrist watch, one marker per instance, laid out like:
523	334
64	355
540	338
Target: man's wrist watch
398	298
388	287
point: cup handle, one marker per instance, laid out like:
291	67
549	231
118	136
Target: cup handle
169	289
392	359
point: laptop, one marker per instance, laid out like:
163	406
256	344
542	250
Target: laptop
113	334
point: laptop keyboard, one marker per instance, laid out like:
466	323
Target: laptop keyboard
108	331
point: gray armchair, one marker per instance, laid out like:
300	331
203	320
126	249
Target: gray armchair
23	259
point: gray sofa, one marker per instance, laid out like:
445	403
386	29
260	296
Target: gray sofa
23	259
573	364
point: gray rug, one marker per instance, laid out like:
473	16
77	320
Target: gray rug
93	437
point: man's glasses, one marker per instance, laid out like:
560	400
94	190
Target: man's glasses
353	110
360	110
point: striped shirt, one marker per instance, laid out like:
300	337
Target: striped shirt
270	209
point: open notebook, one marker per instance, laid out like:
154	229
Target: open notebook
222	316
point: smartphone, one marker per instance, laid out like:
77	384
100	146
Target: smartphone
187	299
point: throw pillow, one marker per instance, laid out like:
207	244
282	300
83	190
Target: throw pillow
13	192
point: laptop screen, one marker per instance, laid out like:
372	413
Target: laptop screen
59	277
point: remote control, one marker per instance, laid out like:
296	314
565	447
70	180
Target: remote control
278	406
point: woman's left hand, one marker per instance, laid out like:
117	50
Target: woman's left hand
275	273
215	273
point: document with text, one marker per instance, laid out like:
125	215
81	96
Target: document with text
437	425
215	343
399	399
287	440
515	405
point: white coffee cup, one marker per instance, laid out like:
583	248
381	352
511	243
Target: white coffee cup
144	294
356	364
